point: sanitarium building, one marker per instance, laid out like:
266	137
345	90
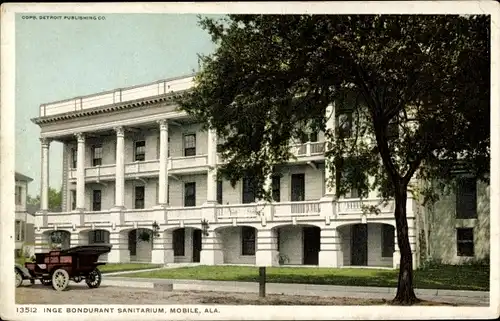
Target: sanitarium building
139	174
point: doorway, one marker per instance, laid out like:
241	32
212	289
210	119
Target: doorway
312	241
359	245
196	245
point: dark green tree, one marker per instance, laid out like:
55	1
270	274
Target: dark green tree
55	199
414	90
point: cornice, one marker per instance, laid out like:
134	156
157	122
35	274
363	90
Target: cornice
169	98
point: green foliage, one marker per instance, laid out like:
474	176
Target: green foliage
414	92
55	199
272	78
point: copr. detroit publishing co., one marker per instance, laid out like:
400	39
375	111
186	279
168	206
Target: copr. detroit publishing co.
52	17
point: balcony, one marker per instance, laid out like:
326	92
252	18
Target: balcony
277	212
177	165
116	96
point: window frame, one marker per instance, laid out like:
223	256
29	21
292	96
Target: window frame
462	241
248	241
74	158
276	188
247	191
220	191
139	156
189	151
73	199
96	204
461	193
138	200
19	195
189	201
303	186
97	161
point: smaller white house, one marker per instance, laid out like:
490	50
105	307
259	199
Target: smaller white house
24	223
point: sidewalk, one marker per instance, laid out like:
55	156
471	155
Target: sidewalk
450	296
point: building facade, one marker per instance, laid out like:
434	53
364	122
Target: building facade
24	221
139	174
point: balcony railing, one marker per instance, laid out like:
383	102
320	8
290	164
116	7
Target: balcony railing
238	211
142	167
356	206
116	96
184	213
296	208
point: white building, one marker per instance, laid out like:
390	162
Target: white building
131	159
24	222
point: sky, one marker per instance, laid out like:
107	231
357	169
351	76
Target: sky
59	59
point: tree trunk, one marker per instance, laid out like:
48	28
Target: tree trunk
405	294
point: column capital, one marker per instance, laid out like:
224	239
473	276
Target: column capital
80	137
120	131
45	141
163	124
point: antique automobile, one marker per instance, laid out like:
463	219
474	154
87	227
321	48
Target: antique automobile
58	267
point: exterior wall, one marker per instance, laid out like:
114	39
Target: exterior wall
314	186
442	222
188	247
374	243
291	244
176	189
25	229
231	240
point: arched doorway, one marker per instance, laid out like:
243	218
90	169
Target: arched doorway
239	244
298	244
369	244
186	242
140	244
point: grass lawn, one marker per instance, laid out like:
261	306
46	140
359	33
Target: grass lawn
119	267
472	278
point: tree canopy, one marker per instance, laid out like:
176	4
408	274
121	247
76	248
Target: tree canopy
55	200
411	97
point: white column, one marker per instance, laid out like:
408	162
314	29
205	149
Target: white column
330	254
267	248
329	172
80	172
163	175
211	249
44	197
212	167
120	168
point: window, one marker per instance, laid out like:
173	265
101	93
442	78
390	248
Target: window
387	240
275	185
139	197
168	147
19	230
465	242
19	195
353	193
466	198
248	191
140	151
99	237
190	145
97	155
190	194
73	199
74	157
96	200
278	239
247	240
219	191
344	124
179	242
298	187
